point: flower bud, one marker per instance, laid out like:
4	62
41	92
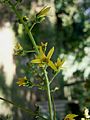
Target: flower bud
43	12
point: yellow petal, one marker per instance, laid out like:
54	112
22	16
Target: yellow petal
21	81
36	61
41	65
70	116
51	64
44	44
60	62
42	53
43	11
50	53
18	47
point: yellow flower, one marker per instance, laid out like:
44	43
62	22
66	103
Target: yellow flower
42	59
43	45
18	47
59	63
70	117
22	81
43	12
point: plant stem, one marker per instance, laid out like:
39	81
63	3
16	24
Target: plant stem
29	51
22	108
53	77
45	72
26	27
54	108
49	95
32	26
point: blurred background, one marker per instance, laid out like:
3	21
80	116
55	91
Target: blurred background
67	27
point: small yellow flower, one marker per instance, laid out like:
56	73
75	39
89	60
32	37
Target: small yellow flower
18	47
59	63
43	12
42	59
43	45
70	117
22	81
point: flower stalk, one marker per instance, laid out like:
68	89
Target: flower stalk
22	108
41	59
35	46
26	27
49	95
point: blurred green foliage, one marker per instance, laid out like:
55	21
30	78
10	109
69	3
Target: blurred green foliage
73	37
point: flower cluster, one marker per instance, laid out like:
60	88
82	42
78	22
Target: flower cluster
24	82
44	60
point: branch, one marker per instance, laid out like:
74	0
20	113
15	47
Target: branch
22	108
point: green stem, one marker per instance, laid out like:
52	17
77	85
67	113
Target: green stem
49	95
53	77
32	26
26	27
22	108
54	108
29	51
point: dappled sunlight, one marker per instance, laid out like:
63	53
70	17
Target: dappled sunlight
7	39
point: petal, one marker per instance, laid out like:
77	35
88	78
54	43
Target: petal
44	44
43	11
50	53
41	65
36	61
70	116
21	81
60	62
42	53
51	64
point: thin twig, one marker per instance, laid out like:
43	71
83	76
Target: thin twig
53	77
49	95
25	26
32	26
54	108
22	108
